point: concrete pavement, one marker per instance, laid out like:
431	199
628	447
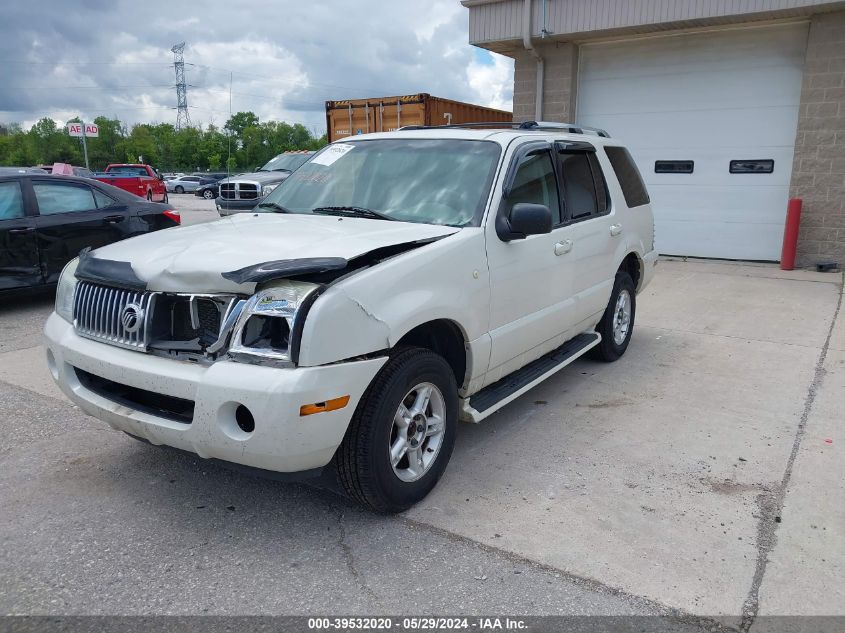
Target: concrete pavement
806	567
654	474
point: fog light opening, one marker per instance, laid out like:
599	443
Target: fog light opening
243	417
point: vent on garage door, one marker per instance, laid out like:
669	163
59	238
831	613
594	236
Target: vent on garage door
674	166
752	166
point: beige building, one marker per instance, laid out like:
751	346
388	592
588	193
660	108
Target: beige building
729	106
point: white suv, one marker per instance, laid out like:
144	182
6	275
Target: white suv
395	283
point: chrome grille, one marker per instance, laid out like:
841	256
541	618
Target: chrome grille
98	312
227	191
239	191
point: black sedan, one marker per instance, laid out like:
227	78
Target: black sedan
46	220
208	189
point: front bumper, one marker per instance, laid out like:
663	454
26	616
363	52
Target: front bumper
228	207
282	441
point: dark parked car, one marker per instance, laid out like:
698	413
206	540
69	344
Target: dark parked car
208	189
46	220
9	171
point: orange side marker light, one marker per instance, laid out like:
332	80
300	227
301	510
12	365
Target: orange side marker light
319	407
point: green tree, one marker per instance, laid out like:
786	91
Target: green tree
107	147
186	149
141	145
244	142
239	121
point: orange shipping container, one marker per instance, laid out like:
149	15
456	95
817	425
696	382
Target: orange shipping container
386	114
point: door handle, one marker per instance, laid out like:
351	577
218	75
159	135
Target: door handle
21	231
615	229
562	248
113	219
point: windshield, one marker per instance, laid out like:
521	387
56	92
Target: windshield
286	162
411	180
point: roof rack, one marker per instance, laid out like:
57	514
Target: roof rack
571	128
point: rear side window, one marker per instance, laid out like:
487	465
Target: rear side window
11	202
584	192
56	198
535	183
628	176
102	199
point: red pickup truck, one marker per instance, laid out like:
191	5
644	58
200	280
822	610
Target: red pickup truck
142	180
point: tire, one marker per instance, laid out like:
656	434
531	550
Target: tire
613	345
208	194
363	460
179	189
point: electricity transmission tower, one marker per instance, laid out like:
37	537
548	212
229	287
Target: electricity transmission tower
182	118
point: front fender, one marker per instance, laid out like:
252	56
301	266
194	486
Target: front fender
371	310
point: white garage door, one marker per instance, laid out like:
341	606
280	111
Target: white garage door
698	102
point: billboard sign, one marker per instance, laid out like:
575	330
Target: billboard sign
75	129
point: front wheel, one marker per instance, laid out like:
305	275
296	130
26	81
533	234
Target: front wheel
208	194
179	189
402	434
617	323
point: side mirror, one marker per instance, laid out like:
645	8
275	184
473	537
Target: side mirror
525	219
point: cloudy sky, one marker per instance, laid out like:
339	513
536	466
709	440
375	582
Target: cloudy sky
285	57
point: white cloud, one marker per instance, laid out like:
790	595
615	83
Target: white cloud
286	59
492	82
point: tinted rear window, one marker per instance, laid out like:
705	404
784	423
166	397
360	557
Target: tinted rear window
628	175
127	171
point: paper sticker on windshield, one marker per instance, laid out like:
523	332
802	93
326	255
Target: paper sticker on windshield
332	153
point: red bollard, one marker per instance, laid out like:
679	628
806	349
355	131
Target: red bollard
790	234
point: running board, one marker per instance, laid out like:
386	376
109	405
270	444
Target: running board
494	397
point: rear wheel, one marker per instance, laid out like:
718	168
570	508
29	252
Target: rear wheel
402	433
617	323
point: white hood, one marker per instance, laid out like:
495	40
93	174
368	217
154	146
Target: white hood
193	258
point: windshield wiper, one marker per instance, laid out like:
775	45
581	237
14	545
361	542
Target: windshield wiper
277	208
358	212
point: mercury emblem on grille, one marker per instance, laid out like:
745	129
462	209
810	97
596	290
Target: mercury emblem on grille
132	317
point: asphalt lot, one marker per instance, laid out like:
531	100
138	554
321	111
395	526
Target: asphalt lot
193	209
702	475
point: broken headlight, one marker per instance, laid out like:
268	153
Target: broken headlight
268	320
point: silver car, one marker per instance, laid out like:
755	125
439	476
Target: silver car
184	184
